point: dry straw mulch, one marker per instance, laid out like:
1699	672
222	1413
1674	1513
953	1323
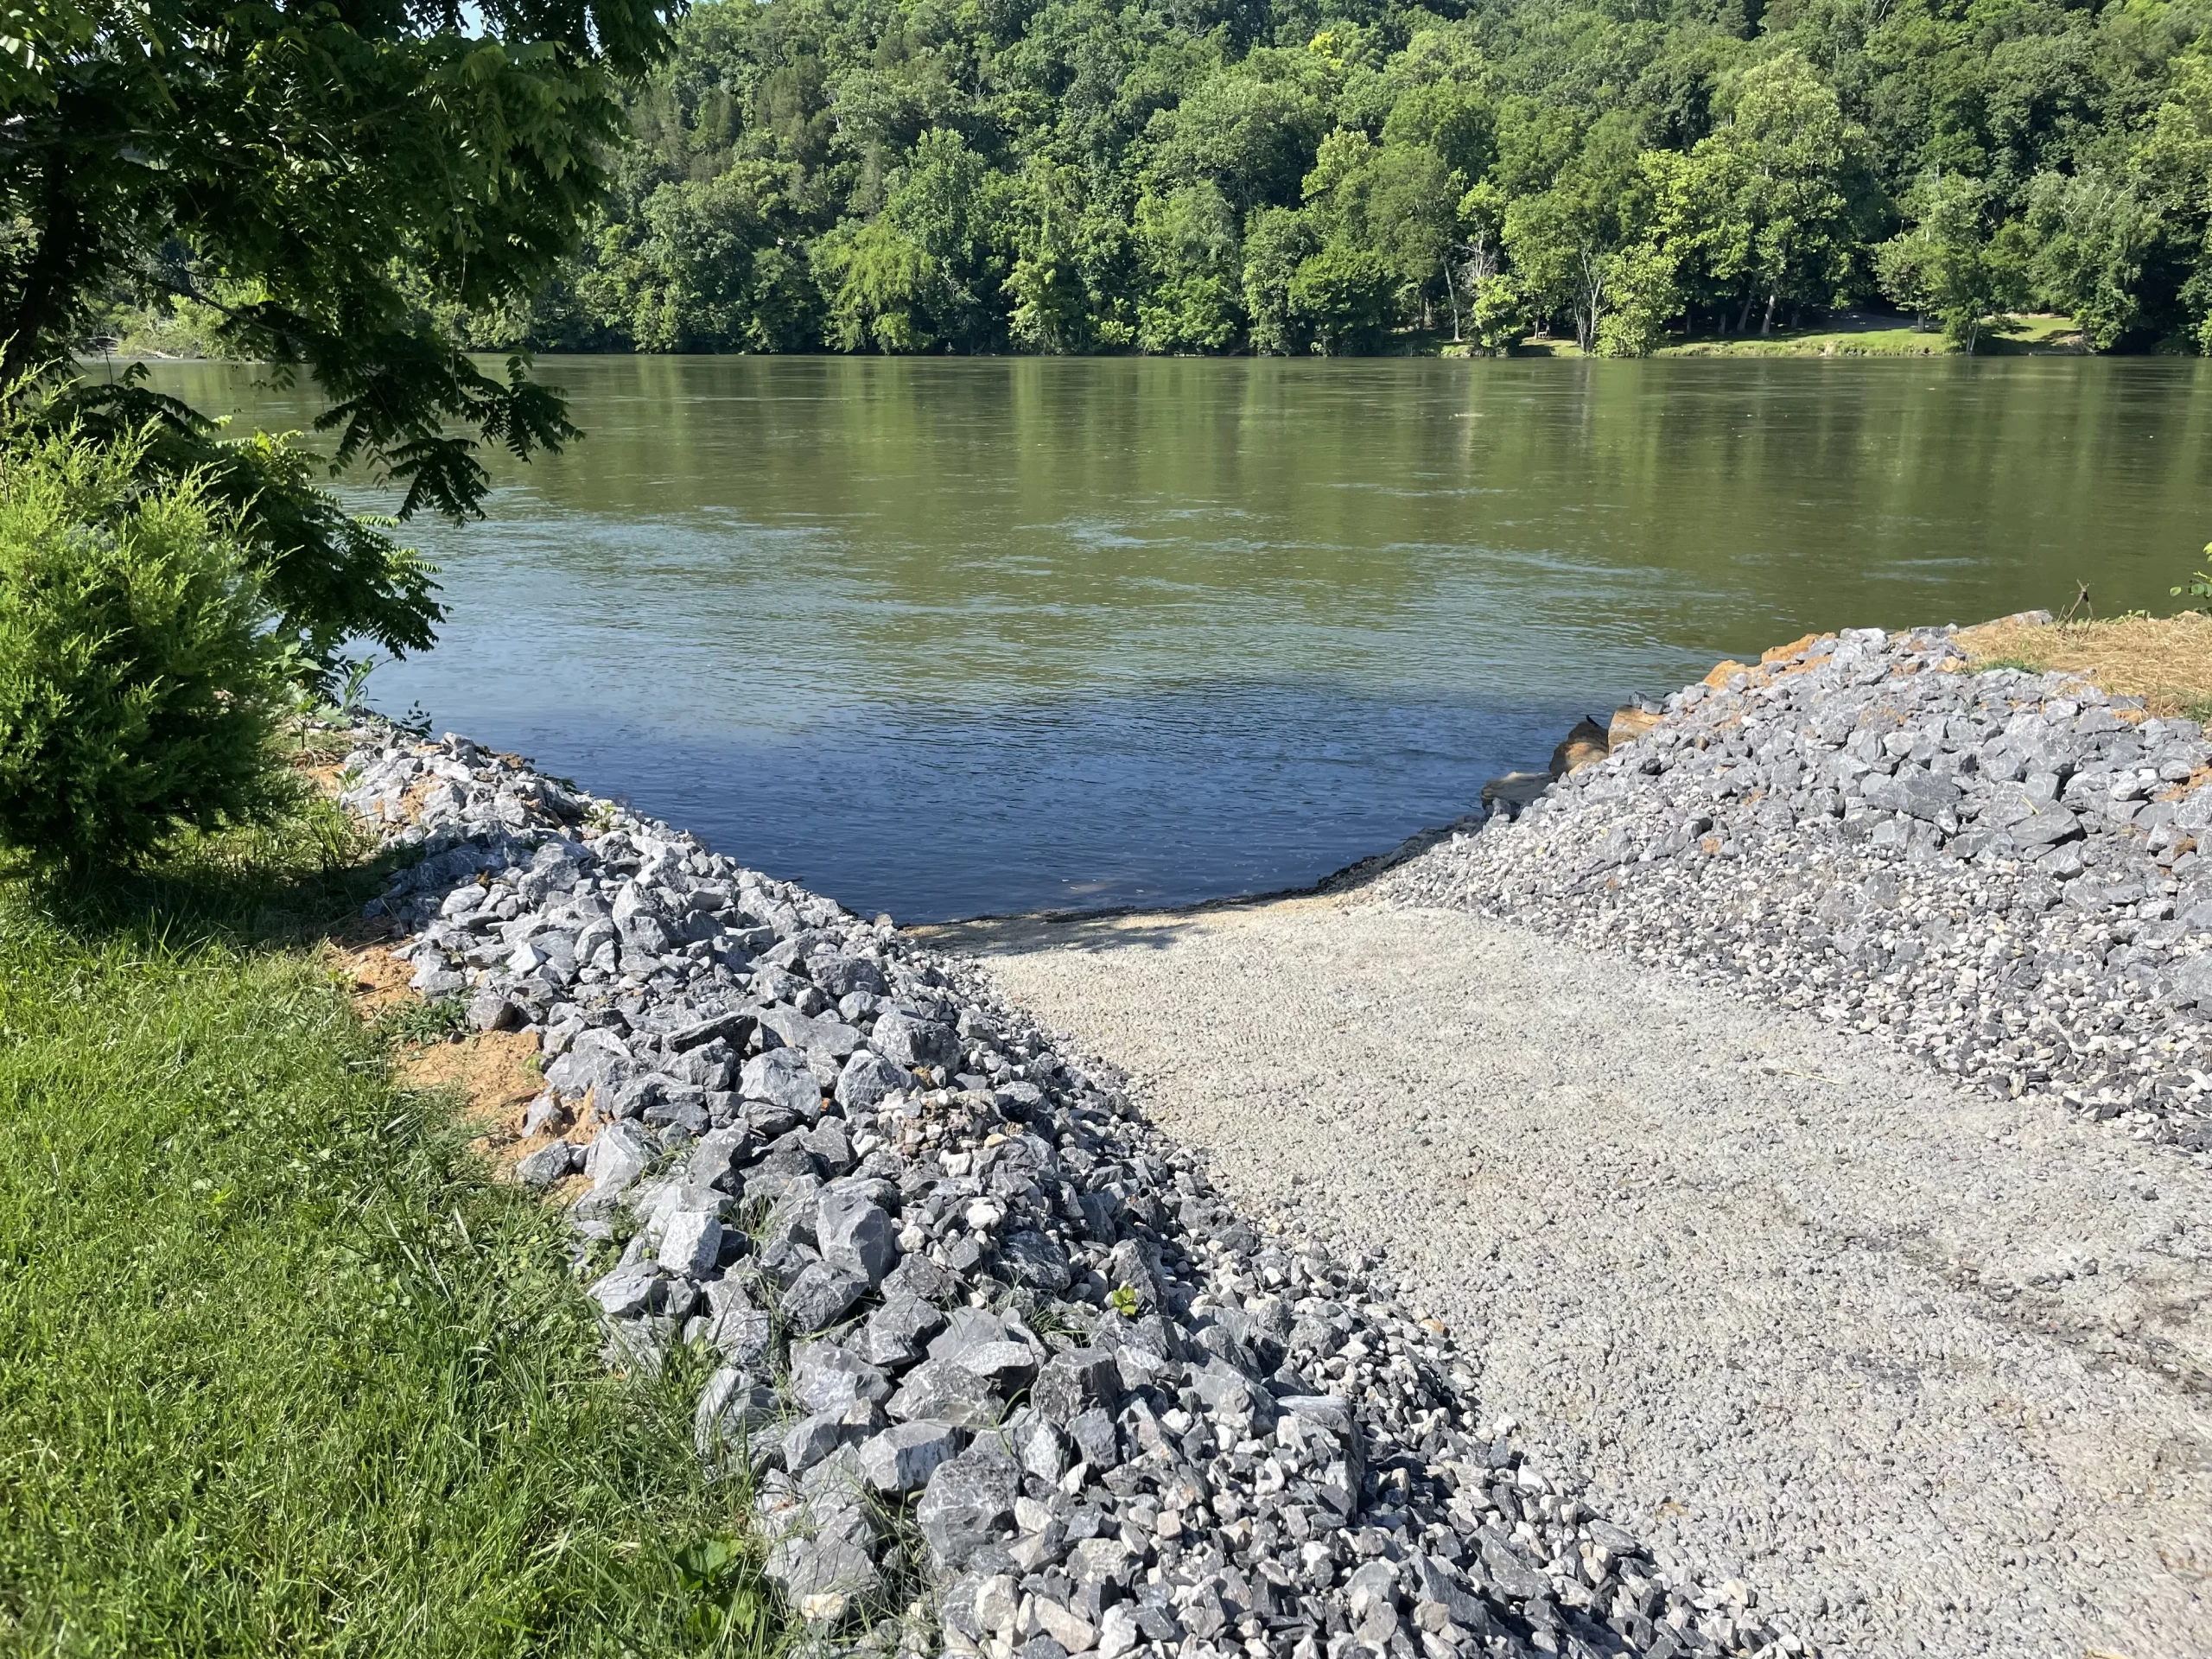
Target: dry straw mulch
2164	660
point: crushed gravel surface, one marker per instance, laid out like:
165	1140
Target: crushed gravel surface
1930	1369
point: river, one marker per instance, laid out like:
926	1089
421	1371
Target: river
947	638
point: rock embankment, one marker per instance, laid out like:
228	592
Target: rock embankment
1999	871
1007	1372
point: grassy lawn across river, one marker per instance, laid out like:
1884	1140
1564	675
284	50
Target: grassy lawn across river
1851	334
287	1370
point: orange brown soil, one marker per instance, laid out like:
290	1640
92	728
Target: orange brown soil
1773	664
1783	653
496	1075
374	978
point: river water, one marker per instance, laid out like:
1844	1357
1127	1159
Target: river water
958	636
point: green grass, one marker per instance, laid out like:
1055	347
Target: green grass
283	1371
1858	336
1855	342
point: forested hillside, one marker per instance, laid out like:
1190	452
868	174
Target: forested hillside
1225	175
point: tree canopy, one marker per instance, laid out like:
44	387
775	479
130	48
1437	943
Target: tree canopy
1285	175
330	181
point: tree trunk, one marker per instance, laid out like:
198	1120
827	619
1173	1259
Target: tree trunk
1766	323
1451	290
1743	316
46	284
1585	312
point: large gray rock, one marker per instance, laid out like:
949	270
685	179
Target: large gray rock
621	1153
906	1041
733	1325
1508	1571
1433	1581
1040	1448
832	1040
732	1406
1096	1440
812	1438
595	1059
691	1242
492	1010
922	1280
1913	791
823	1544
719	1158
782	1077
841	975
830	1146
966	1328
627	1292
635	899
819	1297
2191	980
647	935
903	1457
1032	1259
435	981
822	1575
546	1166
1006	1366
853	1232
867	1080
2030	821
826	1377
894	1333
1073	1382
969	1500
944	1391
731	1024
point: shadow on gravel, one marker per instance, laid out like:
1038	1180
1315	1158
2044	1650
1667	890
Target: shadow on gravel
1153	929
1095	930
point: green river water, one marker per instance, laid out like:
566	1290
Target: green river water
953	637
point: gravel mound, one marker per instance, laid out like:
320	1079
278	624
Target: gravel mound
1997	871
1007	1372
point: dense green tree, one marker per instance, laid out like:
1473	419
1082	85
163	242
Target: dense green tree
1342	296
1565	241
1396	201
1192	256
2174	166
1787	190
1278	241
1949	265
1266	175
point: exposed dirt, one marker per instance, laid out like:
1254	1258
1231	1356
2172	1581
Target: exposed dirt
375	979
496	1074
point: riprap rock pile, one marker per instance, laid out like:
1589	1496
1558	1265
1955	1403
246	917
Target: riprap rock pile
1999	870
1007	1373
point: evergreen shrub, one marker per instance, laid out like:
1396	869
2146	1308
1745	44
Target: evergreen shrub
140	684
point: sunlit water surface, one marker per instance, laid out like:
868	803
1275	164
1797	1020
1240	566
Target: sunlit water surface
949	637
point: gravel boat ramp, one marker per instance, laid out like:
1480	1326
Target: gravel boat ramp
1816	1167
